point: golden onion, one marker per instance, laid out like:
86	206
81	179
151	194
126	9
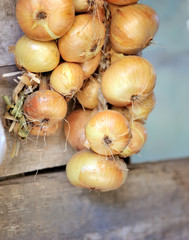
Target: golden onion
67	78
88	94
138	139
87	169
107	133
36	56
84	40
45	20
128	80
133	28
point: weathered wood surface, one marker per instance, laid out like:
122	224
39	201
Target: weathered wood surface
10	32
153	204
30	159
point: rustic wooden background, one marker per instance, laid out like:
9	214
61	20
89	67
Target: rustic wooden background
153	204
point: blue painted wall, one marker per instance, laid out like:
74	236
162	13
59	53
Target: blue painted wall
168	124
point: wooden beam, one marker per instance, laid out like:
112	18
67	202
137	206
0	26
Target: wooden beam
153	204
54	150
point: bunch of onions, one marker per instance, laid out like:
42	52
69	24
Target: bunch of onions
45	20
133	28
74	127
107	133
82	6
128	80
84	40
138	139
36	56
122	2
67	78
138	110
88	94
45	106
90	170
90	66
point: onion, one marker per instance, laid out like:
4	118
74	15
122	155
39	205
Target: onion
74	128
44	129
133	28
45	106
90	170
67	78
89	67
107	133
141	110
122	2
82	6
138	139
138	110
128	80
45	20
36	56
88	95
84	40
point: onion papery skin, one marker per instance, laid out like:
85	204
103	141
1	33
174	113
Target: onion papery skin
88	94
67	78
122	2
45	20
82	6
87	169
44	129
138	139
35	56
45	106
128	80
74	128
133	28
84	40
89	67
107	133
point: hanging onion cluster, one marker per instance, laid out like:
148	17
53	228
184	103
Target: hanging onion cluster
86	53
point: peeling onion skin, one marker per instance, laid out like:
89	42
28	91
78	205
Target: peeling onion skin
107	133
122	2
87	169
45	20
133	28
128	80
138	139
35	56
67	78
84	40
45	106
74	128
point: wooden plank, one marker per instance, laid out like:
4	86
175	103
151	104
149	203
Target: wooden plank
10	31
29	158
151	205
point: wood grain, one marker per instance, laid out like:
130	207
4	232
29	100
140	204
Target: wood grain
10	31
54	150
151	205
